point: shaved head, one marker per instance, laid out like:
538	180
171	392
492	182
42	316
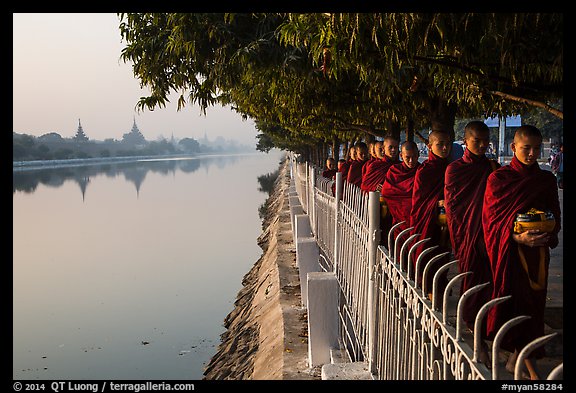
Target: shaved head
378	149
390	138
390	146
527	144
527	131
437	135
352	152
361	151
439	143
409	154
477	137
475	126
410	145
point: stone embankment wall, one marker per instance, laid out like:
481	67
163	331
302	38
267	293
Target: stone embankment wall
266	332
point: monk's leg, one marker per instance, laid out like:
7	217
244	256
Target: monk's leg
531	366
484	358
511	363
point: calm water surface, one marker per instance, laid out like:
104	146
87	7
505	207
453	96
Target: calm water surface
127	271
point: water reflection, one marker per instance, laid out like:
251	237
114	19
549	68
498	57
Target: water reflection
27	181
94	279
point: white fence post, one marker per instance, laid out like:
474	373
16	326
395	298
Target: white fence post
337	198
312	202
307	259
373	241
306	191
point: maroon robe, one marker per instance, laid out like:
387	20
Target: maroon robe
329	173
367	164
375	173
510	190
397	191
355	172
345	168
428	189
464	185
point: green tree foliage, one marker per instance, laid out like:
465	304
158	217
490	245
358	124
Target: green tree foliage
63	154
309	79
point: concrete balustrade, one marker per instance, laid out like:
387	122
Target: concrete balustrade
307	258
295	209
302	227
323	331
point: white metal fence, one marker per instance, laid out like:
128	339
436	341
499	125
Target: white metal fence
386	319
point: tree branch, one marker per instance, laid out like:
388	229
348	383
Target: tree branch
495	78
423	139
362	128
527	101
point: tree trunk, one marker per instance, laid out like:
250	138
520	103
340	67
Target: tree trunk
410	130
442	115
368	138
335	149
346	151
394	129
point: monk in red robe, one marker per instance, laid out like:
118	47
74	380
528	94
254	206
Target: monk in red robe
345	167
372	156
464	185
427	199
465	182
355	171
375	173
519	261
398	185
330	170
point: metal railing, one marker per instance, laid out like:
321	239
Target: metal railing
386	319
301	182
325	224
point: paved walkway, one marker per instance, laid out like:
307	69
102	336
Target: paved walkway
556	275
554	313
553	316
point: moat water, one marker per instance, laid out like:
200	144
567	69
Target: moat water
127	271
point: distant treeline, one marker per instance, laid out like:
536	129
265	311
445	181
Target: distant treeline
52	146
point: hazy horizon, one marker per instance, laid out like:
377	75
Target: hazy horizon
66	67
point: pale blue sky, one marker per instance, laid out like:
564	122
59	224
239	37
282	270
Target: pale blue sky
67	66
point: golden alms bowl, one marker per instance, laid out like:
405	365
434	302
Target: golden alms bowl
383	207
534	219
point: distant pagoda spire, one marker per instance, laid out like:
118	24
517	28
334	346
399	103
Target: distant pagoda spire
134	137
80	135
135	127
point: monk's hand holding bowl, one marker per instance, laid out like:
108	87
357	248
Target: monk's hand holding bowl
532	238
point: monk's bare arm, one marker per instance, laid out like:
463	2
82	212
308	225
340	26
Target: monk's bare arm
532	238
